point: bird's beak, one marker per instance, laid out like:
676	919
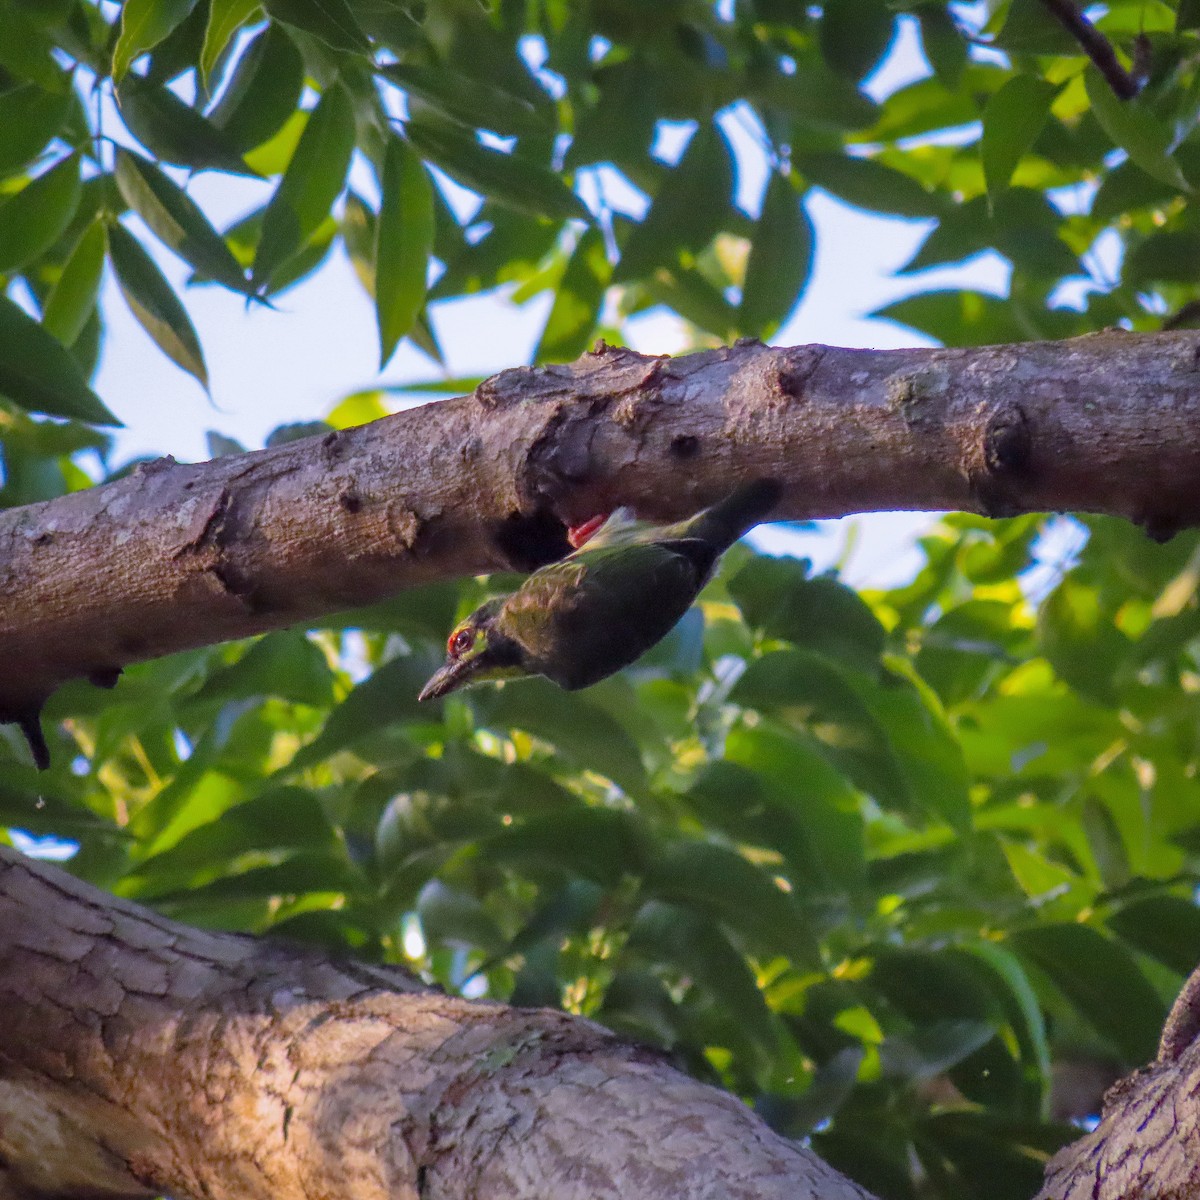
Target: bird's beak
448	678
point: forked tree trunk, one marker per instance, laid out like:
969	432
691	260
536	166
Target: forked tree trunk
139	1057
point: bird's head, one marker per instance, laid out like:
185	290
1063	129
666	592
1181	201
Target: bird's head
476	651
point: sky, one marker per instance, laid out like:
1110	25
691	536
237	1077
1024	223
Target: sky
270	367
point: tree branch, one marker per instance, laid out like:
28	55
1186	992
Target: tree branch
139	1057
175	556
1096	46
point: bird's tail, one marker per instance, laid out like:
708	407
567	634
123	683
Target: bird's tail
721	524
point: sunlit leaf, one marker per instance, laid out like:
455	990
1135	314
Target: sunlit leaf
263	91
506	178
144	23
176	219
463	98
154	304
333	21
1012	120
225	18
73	297
313	181
403	243
1136	130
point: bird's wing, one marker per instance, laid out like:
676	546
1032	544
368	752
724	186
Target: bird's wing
595	612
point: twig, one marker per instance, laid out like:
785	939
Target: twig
1096	46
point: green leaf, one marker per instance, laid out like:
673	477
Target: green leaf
312	182
957	318
154	304
1030	27
691	203
819	99
285	664
777	597
73	298
577	301
468	100
1101	980
699	951
1135	129
854	34
333	21
1012	119
722	883
403	244
35	218
599	844
387	697
1080	640
1127	188
455	918
690	293
29	118
945	46
225	18
808	691
932	1049
1019	1002
263	91
25	50
279	818
964	646
144	23
175	133
176	219
781	254
812	813
39	374
1187	15
577	728
1165	927
869	184
1167	256
506	178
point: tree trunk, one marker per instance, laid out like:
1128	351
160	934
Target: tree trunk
139	1058
174	556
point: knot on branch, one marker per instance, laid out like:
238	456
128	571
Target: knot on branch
1006	456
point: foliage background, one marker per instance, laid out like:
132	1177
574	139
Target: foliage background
912	871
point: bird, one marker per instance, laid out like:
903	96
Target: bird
580	619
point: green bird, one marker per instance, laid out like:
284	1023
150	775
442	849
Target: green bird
581	619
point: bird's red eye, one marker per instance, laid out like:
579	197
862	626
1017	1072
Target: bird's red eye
460	642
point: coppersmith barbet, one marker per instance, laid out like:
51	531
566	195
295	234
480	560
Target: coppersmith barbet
581	619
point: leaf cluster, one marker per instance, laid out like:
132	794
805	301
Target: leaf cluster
362	123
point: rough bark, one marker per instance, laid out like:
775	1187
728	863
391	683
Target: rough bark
178	555
139	1057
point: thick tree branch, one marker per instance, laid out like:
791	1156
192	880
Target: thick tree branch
139	1058
1145	1147
1096	46
176	555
